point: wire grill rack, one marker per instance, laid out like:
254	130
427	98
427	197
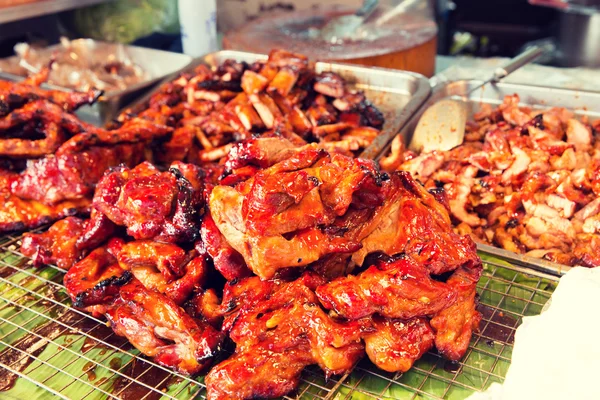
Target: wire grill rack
48	347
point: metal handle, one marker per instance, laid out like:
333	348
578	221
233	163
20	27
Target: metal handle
517	62
367	8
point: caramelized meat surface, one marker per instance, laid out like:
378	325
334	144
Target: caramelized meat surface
273	219
397	344
96	279
455	325
160	329
58	245
280	323
19	214
162	267
149	203
397	289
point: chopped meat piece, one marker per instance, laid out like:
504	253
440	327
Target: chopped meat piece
454	325
151	204
160	329
330	84
57	246
397	344
396	289
522	180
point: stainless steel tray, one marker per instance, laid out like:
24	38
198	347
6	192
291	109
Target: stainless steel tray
157	63
398	94
582	103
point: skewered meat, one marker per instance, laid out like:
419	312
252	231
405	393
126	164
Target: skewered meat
519	181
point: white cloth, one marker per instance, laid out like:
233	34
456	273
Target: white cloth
557	354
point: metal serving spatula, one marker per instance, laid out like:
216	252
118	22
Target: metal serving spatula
442	126
344	26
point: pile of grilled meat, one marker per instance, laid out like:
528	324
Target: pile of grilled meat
525	180
50	161
287	246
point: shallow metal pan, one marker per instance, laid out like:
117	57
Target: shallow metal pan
582	103
398	94
157	63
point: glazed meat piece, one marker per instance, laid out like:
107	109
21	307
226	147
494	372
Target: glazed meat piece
398	288
15	95
95	280
271	375
225	258
149	203
20	214
58	245
454	325
277	324
19	147
71	176
67	240
160	329
162	267
413	222
46	113
397	344
274	218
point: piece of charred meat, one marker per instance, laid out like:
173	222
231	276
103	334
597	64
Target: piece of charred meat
396	344
277	218
161	329
162	267
454	325
149	203
58	245
19	214
151	321
400	288
279	329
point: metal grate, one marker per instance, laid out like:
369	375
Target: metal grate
47	346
